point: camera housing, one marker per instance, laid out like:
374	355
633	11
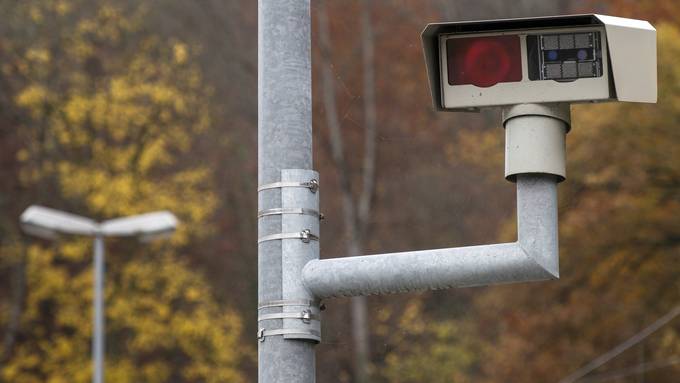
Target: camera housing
576	58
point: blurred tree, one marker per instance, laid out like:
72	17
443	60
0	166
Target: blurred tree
426	351
107	111
356	210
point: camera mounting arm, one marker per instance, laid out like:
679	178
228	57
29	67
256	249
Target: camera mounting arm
535	136
533	257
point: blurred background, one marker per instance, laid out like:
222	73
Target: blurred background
111	108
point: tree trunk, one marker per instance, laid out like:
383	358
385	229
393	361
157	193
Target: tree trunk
356	212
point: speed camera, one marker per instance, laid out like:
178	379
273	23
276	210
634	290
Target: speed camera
581	58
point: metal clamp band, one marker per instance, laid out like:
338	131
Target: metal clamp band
305	316
305	236
262	333
292	210
312	185
290	302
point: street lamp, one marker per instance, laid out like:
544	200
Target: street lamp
48	223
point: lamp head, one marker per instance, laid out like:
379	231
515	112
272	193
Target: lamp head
48	223
146	227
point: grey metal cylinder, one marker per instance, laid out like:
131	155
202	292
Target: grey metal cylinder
98	338
537	219
535	139
284	142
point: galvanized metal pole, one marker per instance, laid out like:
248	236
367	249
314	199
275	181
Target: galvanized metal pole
284	142
98	338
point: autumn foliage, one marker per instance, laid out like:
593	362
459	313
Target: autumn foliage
110	108
106	113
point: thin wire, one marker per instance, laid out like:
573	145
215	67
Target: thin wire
614	352
635	370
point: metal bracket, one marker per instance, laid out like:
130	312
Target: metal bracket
262	333
283	303
312	185
290	212
305	236
306	315
560	111
280	211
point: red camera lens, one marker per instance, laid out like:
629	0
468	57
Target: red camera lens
484	61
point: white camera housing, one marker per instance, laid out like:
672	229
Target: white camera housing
577	58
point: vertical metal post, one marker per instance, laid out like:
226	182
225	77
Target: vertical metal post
98	336
284	142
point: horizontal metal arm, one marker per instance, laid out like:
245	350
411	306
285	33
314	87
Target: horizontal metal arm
533	257
421	270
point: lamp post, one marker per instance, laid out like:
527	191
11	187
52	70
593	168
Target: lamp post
48	223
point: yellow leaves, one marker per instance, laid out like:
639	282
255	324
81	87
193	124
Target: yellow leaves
36	14
120	188
80	48
194	79
154	372
424	349
199	329
186	193
670	341
153	307
14	372
105	28
61	346
77	181
39	11
158	310
161	94
180	52
109	135
76	109
124	370
109	12
151	329
120	89
69	136
110	24
441	353
192	294
85	26
411	319
154	154
76	251
382	327
38	55
62	7
33	98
